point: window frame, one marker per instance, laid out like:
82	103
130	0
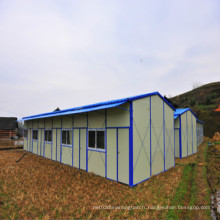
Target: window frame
25	137
34	130
96	148
70	135
47	130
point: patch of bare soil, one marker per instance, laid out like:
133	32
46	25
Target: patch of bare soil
217	147
213	174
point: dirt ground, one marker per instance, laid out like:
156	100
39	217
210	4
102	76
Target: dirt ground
38	187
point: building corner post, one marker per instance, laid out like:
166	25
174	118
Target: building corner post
131	146
164	143
180	138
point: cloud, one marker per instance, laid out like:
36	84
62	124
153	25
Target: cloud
72	53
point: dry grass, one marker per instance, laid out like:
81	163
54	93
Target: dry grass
187	160
38	187
10	144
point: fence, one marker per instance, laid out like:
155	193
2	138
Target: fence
7	134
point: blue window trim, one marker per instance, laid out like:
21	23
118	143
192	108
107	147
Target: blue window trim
67	145
34	140
67	129
125	127
101	151
97	129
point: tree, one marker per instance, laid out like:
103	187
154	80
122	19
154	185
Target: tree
196	85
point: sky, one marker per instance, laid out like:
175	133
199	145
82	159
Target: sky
71	53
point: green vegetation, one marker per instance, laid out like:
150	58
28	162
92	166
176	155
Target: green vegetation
213	95
192	102
186	187
208	100
207	107
203	101
208	196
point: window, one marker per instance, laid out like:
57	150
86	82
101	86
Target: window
97	139
25	133
48	135
67	137
35	135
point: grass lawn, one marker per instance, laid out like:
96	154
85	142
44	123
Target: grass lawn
42	188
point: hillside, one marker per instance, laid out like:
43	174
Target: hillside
205	102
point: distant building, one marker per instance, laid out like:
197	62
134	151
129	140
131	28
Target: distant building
185	122
200	132
8	126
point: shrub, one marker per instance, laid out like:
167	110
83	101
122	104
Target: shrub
208	100
213	95
192	102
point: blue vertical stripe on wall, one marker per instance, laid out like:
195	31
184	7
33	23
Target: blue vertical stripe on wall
174	139
32	136
131	146
44	141
28	139
105	144
180	137
150	141
72	137
56	143
41	141
61	133
87	144
192	132
187	132
52	140
117	151
79	148
164	156
37	136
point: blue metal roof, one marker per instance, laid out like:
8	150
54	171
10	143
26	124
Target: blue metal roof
176	116
94	107
180	111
